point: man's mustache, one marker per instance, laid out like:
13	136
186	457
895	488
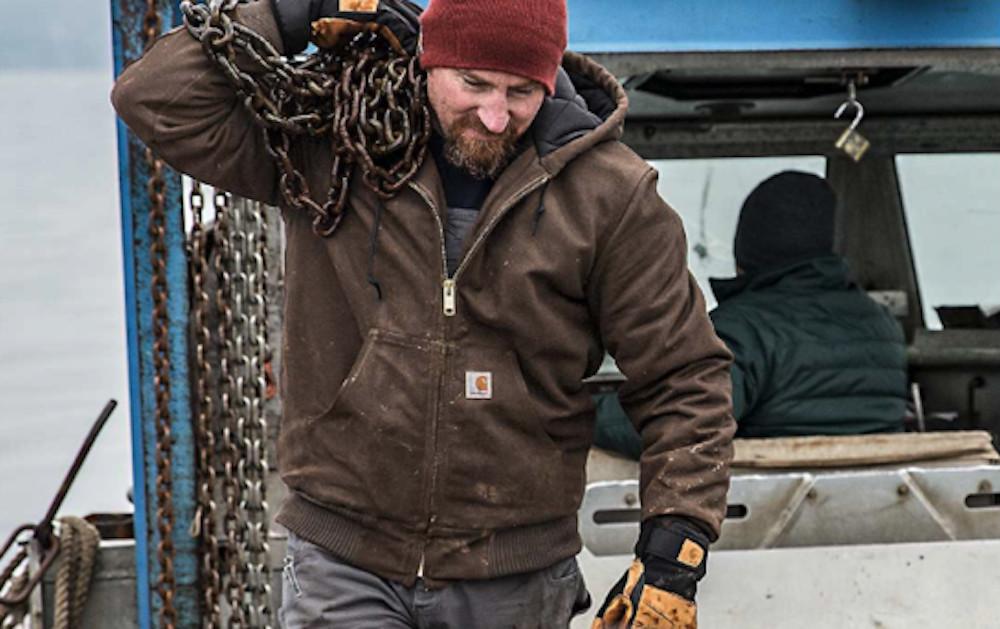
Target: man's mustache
473	123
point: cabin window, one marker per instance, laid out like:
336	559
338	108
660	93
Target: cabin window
953	215
708	193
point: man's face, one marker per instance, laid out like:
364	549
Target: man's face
482	114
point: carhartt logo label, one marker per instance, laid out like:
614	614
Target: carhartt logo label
358	6
478	385
691	554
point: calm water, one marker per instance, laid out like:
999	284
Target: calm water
62	339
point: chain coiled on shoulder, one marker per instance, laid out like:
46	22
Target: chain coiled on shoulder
370	100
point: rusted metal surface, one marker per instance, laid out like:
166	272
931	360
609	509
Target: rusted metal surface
204	405
156	191
161	424
112	526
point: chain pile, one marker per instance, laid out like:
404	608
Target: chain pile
229	259
369	100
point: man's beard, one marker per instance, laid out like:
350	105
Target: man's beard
481	157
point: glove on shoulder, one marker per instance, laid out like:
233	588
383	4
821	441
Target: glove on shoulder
295	20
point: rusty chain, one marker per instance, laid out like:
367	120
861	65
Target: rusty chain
234	588
231	253
368	99
255	429
372	105
203	526
156	190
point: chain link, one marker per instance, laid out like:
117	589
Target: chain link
372	104
235	567
233	584
156	191
203	525
370	100
255	434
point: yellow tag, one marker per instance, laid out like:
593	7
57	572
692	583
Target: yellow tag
358	6
691	554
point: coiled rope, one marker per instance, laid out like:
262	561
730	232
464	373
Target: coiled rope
80	541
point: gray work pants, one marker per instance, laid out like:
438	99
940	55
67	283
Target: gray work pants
319	590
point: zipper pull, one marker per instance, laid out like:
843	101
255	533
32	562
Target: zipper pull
449	298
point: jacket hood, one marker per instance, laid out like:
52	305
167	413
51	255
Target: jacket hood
587	108
815	274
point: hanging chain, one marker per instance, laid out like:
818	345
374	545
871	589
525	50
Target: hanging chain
156	189
368	99
203	526
233	586
251	281
241	575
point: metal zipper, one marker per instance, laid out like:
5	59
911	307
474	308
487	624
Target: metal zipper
448	297
450	285
449	303
437	218
446	281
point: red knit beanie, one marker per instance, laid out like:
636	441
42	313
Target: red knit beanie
522	37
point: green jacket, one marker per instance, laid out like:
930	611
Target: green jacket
812	355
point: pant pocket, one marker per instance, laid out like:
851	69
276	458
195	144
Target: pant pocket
566	594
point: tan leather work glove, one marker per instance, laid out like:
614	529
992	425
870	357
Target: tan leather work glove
659	587
334	23
640	605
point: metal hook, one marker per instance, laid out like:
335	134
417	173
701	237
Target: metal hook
852	101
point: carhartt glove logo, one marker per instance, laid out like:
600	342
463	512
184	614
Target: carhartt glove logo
478	385
691	554
358	6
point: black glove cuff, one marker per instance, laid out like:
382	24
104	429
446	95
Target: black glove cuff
294	24
665	576
403	18
674	543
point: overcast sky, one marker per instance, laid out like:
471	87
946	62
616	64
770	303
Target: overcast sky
57	34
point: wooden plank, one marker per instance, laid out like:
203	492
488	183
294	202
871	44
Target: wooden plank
928	449
865	450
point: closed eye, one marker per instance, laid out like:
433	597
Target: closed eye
474	82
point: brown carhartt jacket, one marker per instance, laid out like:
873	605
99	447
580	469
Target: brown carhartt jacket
445	425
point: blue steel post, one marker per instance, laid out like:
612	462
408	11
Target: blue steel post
127	32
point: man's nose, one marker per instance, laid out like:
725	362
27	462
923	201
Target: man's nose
494	115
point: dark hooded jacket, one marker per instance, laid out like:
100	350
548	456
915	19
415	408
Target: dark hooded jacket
446	424
813	353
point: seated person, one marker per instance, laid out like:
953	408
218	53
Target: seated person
813	354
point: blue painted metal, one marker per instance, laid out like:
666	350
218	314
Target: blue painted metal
757	25
127	20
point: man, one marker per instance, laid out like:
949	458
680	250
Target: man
435	430
813	354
